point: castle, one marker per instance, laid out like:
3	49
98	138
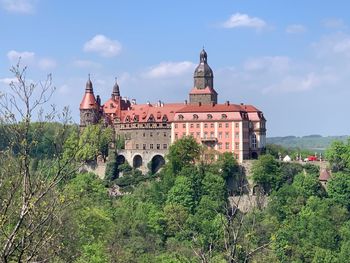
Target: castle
149	129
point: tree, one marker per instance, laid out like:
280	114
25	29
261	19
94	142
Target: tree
266	173
183	152
339	188
30	203
338	155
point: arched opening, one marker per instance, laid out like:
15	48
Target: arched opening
156	163
137	161
254	155
120	159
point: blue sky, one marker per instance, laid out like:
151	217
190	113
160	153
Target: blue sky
291	59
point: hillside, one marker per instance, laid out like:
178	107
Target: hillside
310	142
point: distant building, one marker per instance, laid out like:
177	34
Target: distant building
324	177
149	129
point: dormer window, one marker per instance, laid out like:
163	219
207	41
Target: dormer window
165	118
209	116
195	116
127	119
136	118
151	118
223	116
181	117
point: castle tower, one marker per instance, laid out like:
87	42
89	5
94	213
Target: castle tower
89	107
203	91
115	93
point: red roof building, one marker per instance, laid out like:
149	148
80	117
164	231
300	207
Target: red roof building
151	128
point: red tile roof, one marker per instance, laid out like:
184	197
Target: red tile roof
88	102
110	106
217	108
207	90
144	112
324	175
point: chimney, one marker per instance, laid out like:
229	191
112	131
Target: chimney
242	103
159	104
185	102
199	103
133	102
227	103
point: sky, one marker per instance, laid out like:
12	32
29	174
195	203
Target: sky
291	59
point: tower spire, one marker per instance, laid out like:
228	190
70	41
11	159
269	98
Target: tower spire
115	92
89	88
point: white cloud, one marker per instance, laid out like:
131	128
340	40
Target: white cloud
18	6
274	63
8	81
30	58
243	20
47	63
169	69
64	89
27	57
103	45
334	23
295	29
79	63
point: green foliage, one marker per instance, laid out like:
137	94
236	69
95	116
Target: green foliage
182	193
339	188
93	141
266	172
338	155
183	153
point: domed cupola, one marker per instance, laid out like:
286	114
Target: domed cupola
115	92
203	74
88	86
203	91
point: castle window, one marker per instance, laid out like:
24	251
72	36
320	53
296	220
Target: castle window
184	125
237	135
164	134
195	116
192	134
220	135
253	140
205	125
198	134
165	146
237	125
151	146
176	135
226	135
144	146
158	146
197	125
227	146
209	116
144	134
227	125
220	145
151	118
212	125
192	125
223	116
212	135
181	117
205	135
151	134
237	146
137	146
220	125
175	125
